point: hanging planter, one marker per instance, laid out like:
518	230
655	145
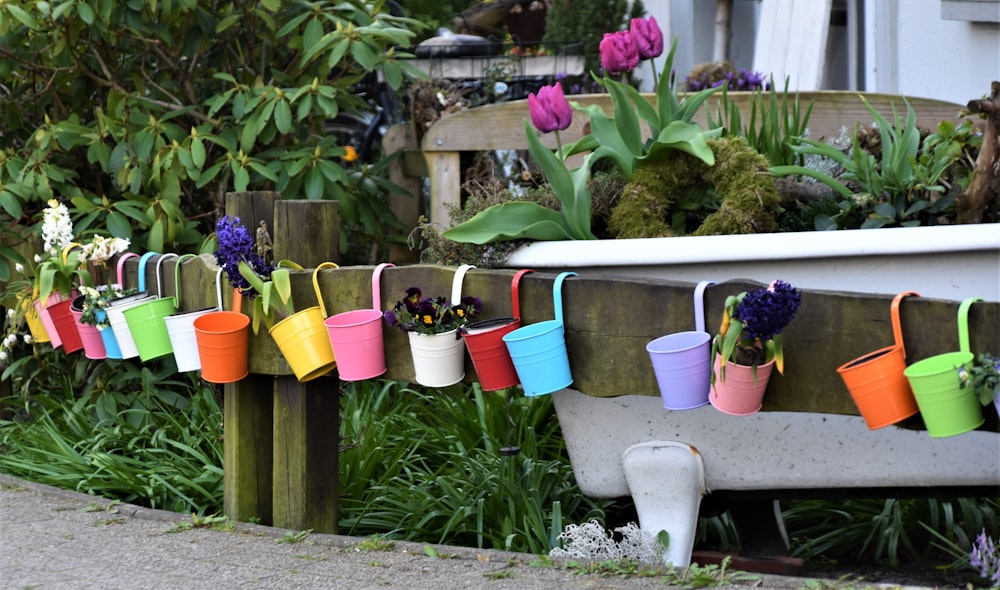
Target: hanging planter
681	361
431	325
741	393
180	326
45	317
303	339
947	406
223	341
538	351
876	380
356	337
117	307
90	336
65	325
145	320
489	354
111	348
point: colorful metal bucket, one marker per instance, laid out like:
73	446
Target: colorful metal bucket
876	380
682	361
947	405
180	326
145	321
484	340
224	342
356	336
538	351
439	359
303	339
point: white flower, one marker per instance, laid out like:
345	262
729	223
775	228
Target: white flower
10	340
3	355
102	248
11	313
27	339
19	268
38	258
57	227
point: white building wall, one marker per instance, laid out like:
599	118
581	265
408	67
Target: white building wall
905	48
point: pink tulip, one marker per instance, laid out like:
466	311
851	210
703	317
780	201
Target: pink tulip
550	111
647	36
618	52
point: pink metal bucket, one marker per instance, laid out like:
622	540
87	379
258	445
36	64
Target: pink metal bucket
356	337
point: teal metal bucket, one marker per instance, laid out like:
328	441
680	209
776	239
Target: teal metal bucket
538	351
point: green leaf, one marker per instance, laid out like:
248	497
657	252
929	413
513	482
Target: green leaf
511	221
282	284
283	116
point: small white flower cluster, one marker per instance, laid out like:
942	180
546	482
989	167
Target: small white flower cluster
592	541
12	336
57	227
102	248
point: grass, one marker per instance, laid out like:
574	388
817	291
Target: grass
416	464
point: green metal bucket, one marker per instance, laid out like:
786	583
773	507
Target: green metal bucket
146	320
947	405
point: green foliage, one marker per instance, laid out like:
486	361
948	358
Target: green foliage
891	530
772	126
118	431
143	114
426	466
902	188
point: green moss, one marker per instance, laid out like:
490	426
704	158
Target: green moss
651	203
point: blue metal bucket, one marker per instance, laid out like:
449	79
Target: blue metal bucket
538	351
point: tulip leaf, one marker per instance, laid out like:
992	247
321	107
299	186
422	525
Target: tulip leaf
514	220
686	137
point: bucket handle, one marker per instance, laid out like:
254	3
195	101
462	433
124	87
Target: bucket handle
177	278
142	269
699	305
319	294
376	285
237	296
897	327
456	283
963	323
159	277
557	293
515	301
121	267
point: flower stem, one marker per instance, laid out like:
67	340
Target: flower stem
559	146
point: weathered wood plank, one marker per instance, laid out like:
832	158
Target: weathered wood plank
247	451
406	208
446	185
306	454
306	232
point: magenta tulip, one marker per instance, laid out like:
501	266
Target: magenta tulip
618	52
647	36
550	111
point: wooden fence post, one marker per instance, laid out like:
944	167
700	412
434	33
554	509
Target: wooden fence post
248	422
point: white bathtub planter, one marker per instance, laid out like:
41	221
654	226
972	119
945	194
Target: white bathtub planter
630	445
943	262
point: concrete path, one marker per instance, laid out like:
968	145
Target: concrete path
52	539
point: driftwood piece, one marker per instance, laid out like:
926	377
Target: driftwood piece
981	201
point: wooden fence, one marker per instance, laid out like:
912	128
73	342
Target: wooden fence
281	436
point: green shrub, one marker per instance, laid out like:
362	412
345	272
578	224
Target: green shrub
144	114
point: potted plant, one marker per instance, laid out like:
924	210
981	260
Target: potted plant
432	324
89	307
984	378
301	336
749	344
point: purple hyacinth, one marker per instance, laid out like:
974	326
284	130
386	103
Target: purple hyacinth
236	244
765	312
986	558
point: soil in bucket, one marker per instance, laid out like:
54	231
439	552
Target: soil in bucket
223	345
